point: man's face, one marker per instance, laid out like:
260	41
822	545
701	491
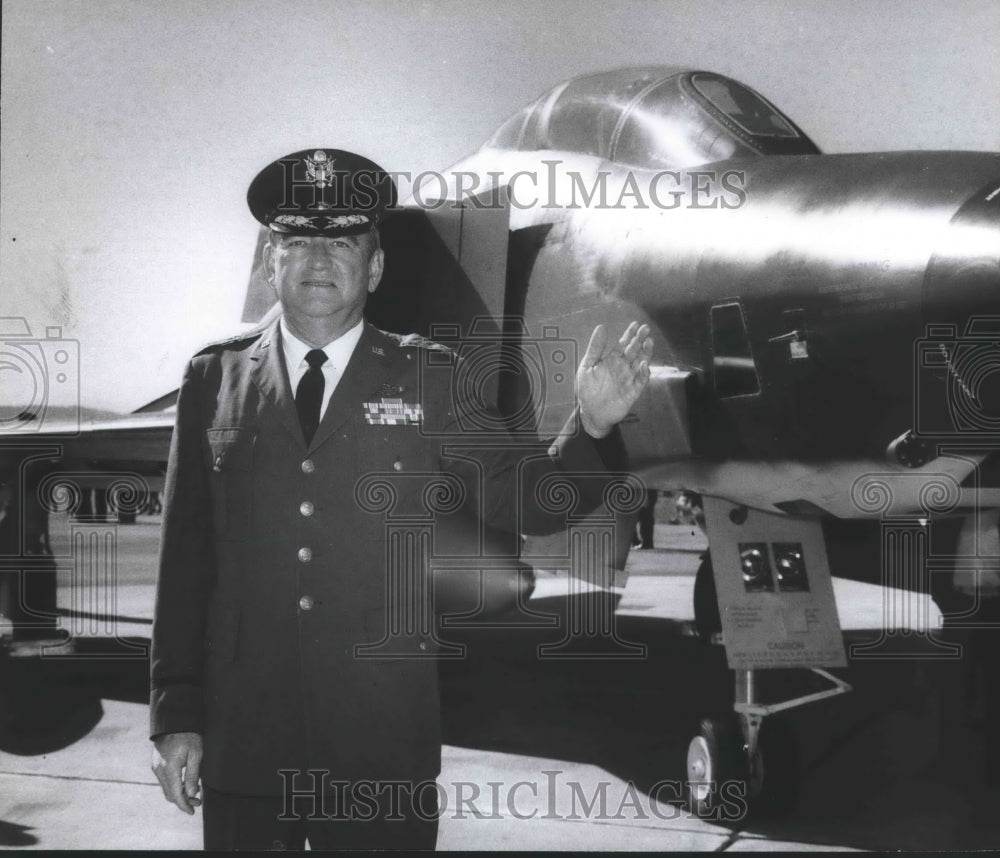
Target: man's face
319	279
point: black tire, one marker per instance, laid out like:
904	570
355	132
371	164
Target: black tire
775	772
715	759
707	620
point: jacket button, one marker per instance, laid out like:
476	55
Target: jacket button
397	465
306	508
308	466
218	464
306	603
305	554
422	644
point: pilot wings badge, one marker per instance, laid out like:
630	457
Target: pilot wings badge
319	169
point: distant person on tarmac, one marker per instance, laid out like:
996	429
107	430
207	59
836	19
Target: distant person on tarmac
646	521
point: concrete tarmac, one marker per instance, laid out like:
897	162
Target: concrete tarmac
552	753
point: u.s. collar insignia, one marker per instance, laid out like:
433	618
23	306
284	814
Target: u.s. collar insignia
319	169
393	412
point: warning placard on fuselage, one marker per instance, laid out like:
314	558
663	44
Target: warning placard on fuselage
774	589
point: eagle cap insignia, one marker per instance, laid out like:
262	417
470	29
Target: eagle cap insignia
319	169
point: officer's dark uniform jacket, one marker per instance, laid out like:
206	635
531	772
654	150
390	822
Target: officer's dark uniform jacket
273	565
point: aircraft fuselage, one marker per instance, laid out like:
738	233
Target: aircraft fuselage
801	293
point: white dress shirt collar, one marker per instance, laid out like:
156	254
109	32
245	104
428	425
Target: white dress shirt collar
338	353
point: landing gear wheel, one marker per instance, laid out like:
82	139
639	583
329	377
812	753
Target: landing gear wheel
715	757
707	620
775	773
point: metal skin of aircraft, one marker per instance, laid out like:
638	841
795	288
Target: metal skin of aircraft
826	359
811	311
825	335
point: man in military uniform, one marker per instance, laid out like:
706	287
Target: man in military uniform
273	562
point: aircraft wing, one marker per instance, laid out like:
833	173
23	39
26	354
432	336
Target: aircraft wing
138	443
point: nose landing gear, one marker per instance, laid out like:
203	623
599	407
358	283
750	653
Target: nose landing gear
741	766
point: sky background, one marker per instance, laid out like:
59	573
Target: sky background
131	129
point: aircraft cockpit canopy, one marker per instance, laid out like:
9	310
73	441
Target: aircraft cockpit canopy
654	118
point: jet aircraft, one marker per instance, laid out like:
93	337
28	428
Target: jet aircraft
826	367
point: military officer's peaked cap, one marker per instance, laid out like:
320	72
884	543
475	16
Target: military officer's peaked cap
321	192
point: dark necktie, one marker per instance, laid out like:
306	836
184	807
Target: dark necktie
309	395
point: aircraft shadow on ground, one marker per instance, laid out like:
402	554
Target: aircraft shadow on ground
895	764
882	767
12	834
51	702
